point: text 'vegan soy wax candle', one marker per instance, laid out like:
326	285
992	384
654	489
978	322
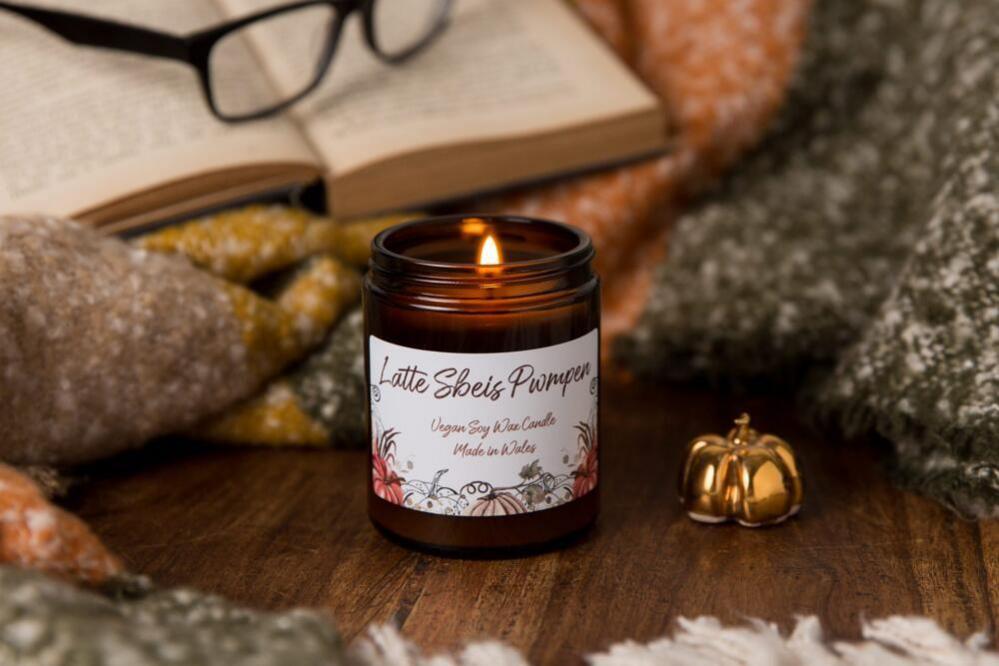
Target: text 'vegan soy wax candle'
482	349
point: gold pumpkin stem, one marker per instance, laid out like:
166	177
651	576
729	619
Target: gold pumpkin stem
742	423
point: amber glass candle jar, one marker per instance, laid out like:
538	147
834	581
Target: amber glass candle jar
482	338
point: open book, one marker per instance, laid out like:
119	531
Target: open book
514	90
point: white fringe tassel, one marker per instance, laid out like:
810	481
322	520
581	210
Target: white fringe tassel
704	641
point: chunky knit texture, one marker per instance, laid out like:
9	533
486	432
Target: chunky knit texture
864	237
44	622
104	345
47	623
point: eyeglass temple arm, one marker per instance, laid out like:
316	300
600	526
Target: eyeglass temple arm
92	31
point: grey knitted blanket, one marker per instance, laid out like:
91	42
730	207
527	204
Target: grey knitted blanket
47	623
856	253
44	621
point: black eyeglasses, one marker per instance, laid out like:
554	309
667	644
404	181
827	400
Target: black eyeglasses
300	39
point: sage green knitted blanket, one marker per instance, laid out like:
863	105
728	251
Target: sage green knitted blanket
47	623
861	240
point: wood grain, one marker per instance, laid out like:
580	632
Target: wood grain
278	529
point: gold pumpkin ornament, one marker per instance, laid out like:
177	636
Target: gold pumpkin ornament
744	476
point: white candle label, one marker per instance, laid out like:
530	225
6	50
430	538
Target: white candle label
484	434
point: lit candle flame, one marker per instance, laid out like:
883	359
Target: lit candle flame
489	252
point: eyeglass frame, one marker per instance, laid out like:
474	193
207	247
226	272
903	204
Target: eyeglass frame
195	48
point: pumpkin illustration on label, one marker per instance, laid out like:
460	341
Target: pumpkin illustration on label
497	504
387	484
745	476
586	474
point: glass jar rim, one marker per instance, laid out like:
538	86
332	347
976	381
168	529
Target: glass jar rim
578	249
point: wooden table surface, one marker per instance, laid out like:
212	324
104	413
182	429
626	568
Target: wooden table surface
279	529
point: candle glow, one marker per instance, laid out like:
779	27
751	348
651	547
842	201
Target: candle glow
489	252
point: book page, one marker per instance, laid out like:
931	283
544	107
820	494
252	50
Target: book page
80	126
501	69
